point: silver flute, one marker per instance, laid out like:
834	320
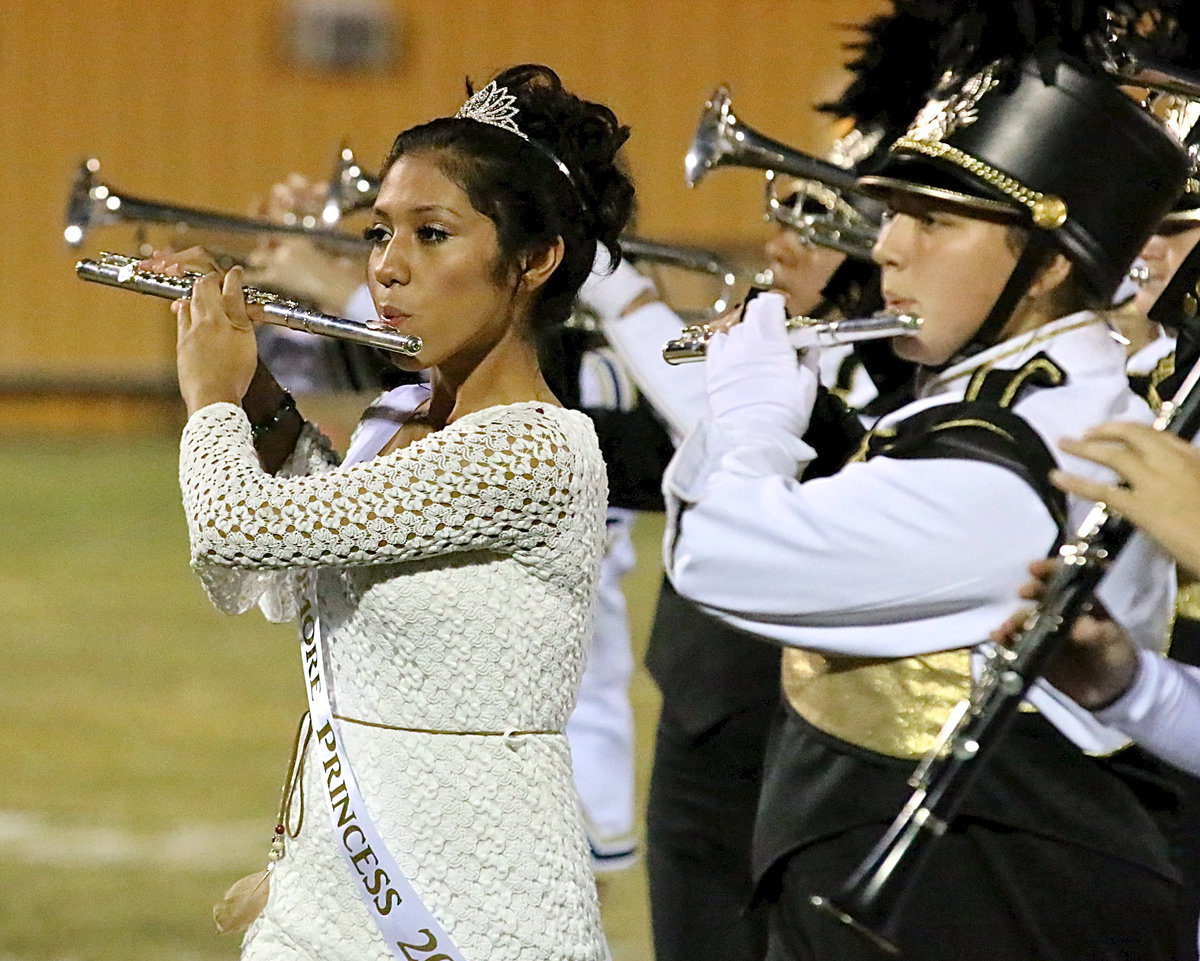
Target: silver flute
117	270
692	343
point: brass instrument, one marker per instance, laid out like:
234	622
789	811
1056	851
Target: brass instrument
1124	55
821	214
692	343
116	270
694	259
92	203
350	188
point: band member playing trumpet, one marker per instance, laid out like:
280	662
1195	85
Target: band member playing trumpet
444	573
880	580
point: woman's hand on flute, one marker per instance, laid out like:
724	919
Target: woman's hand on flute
1160	483
1097	664
216	353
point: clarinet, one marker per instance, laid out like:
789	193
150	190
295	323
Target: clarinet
871	900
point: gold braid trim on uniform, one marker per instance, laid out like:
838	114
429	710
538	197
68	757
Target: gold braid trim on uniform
896	706
1017	379
1024	345
1046	210
860	455
1162	370
972	422
891	706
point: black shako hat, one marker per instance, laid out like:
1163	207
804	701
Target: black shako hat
1049	143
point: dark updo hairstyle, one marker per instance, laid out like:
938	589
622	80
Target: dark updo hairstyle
517	185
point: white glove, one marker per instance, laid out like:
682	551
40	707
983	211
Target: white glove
753	374
608	294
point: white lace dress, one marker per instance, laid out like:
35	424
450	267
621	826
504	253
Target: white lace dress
456	580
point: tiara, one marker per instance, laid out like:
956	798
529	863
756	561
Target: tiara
497	107
492	105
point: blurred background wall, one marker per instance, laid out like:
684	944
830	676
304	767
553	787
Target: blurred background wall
205	104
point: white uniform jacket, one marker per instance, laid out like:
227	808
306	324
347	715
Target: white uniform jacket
896	557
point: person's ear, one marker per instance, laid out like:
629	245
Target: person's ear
1050	277
538	266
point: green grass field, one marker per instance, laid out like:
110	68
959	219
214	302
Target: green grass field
145	733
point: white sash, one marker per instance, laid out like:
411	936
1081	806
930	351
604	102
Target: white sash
408	929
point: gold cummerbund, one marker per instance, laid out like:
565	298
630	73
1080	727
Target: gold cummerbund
894	706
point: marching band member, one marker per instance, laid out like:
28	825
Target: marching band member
444	574
880	580
585	377
719	694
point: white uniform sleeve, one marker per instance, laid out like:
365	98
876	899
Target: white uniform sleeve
897	557
676	392
1161	711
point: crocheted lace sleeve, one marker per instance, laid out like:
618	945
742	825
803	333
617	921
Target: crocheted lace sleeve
236	590
496	480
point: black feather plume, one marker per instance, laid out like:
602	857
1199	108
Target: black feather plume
985	31
896	64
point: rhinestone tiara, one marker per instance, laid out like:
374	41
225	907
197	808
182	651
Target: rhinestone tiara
497	107
492	105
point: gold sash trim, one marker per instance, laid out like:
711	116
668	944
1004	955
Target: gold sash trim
891	706
423	730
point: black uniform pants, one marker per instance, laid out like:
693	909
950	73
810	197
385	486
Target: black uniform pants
699	822
987	893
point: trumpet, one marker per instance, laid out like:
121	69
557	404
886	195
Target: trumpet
821	214
1127	57
803	332
92	203
116	270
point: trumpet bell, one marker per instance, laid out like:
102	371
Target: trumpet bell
723	140
85	203
350	188
713	139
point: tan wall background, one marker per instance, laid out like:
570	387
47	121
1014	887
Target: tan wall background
197	104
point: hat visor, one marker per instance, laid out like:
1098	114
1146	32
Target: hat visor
880	188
